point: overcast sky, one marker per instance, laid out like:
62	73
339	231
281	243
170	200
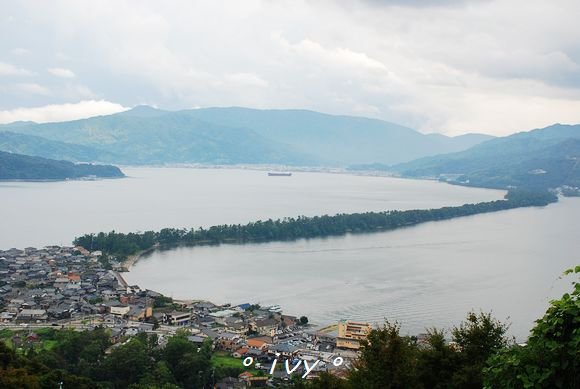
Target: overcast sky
449	66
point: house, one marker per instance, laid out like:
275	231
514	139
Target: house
256	353
265	326
288	321
220	316
74	279
29	315
283	349
226	344
256	344
196	339
176	318
253	382
213	335
6	317
139	313
206	321
351	333
119	309
239	353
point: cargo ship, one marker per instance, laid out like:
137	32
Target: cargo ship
279	174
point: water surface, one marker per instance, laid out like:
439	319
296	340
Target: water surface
428	275
43	213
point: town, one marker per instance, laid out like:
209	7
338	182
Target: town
71	287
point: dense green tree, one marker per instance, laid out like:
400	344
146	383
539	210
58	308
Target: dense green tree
387	361
551	358
128	363
437	362
159	377
478	338
13	378
121	245
329	381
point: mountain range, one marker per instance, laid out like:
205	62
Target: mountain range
542	158
145	135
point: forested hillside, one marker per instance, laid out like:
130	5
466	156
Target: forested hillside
24	167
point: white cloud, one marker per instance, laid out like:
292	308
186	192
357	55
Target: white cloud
339	56
62	72
61	112
451	66
7	69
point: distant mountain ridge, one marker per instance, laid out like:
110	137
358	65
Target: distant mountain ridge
24	167
42	147
146	135
339	139
542	158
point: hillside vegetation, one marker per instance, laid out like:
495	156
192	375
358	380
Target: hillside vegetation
24	167
146	135
539	159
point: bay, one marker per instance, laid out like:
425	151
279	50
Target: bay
44	213
507	263
431	274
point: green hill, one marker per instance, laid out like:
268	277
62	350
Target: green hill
339	140
42	147
24	167
542	158
146	135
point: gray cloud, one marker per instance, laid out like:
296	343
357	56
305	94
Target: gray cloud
453	66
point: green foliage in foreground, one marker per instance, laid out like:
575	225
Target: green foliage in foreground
87	360
551	359
122	245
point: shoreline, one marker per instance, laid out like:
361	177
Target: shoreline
134	258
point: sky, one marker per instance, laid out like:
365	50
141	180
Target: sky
447	66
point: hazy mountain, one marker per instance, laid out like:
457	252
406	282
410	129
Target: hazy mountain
339	140
24	167
42	147
547	157
172	137
146	135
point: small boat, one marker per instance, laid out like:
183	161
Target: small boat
279	174
275	309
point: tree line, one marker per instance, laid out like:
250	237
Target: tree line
122	245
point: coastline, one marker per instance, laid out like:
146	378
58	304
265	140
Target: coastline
134	258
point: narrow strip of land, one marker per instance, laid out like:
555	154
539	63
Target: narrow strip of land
123	245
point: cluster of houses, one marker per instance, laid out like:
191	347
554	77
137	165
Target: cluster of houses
64	285
56	284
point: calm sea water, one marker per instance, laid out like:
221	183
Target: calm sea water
41	213
426	275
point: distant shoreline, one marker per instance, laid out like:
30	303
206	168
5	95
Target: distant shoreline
59	179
